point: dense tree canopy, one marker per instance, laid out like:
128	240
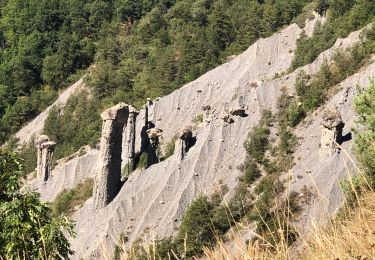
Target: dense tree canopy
141	48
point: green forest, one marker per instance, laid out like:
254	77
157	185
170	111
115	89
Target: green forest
140	48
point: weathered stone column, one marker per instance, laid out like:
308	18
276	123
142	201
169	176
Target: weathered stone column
184	141
108	177
153	151
331	132
128	142
45	147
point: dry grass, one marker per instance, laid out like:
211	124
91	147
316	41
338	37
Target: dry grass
352	236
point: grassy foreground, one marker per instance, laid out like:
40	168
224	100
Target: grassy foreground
352	236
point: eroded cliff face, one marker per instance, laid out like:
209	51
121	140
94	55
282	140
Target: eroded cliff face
230	98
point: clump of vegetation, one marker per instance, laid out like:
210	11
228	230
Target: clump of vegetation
365	138
28	154
22	108
66	201
75	125
196	230
170	147
198	119
312	91
143	161
344	17
257	142
126	171
28	229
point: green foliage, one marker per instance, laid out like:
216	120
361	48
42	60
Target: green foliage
170	147
365	136
27	228
290	109
312	92
196	229
198	118
172	43
344	16
250	171
143	48
126	171
67	200
43	43
75	125
23	108
322	6
257	142
143	161
28	155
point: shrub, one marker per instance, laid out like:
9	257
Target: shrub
364	143
170	147
67	200
75	125
257	143
28	154
126	171
250	171
143	160
295	113
196	228
28	229
198	118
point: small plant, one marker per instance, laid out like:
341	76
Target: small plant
198	118
170	147
67	200
126	171
250	171
142	163
257	143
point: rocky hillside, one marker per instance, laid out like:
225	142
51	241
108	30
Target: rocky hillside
217	111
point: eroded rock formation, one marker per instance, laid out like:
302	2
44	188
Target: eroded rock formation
184	141
153	149
331	132
128	142
45	147
108	178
